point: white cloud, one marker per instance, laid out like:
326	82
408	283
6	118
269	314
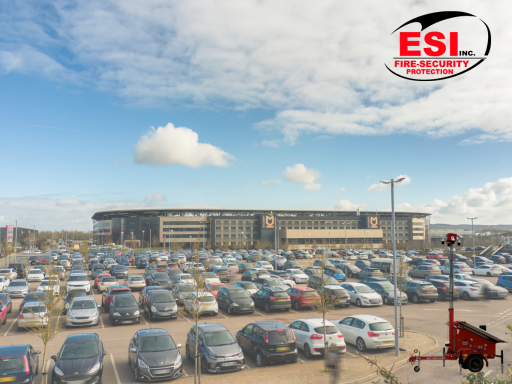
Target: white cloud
154	198
270	143
327	80
266	182
381	186
299	174
346	205
64	202
171	145
338	190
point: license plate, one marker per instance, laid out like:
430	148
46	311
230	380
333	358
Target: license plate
431	291
387	342
342	301
8	378
282	300
161	371
206	304
283	348
229	363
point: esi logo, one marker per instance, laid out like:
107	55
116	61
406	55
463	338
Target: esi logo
439	46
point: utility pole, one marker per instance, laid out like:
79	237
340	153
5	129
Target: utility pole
473	236
16	243
150	239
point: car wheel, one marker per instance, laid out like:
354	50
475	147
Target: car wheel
415	299
307	352
488	275
432	300
358	303
267	308
260	362
466	296
426	276
136	373
203	365
386	300
229	310
360	344
296	305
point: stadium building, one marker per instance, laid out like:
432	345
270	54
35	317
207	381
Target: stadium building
256	228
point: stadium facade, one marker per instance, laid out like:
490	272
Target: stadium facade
249	228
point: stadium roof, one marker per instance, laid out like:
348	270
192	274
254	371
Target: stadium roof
106	215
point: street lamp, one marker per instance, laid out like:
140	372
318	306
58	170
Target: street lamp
172	240
143	239
473	236
395	301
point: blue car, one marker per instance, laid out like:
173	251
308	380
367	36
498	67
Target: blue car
336	273
19	363
124	261
142	263
505	281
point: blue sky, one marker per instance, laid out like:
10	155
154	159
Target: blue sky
77	97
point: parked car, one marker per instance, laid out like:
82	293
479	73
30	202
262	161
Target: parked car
301	297
108	295
78	281
326	264
35	275
297	275
486	270
182	291
105	282
505	281
4	283
18	288
491	291
424	271
361	264
366	332
272	298
362	295
458	267
316	282
160	279
202	302
235	300
270	282
269	342
349	270
309	334
48	285
82	311
68	299
124	309
387	292
242	267
135	282
160	303
85	348
19	363
119	271
418	290
336	274
497	259
443	290
153	355
5	299
32	315
20	269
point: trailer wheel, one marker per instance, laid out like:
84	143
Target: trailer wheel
416	369
474	363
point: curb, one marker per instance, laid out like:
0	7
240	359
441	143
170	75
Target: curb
398	364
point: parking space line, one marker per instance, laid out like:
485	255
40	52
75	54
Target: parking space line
350	354
291	310
184	317
47	369
302	361
115	369
102	324
143	318
259	313
223	315
15	320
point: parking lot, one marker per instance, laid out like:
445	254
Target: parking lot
426	317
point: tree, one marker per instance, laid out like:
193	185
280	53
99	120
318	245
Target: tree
6	249
50	324
286	245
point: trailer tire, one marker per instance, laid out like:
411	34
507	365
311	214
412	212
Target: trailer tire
474	363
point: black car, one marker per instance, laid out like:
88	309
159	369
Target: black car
443	289
268	342
6	300
71	295
120	271
242	267
269	299
235	300
160	303
416	261
151	267
19	363
143	294
281	274
32	297
362	264
79	360
496	259
317	282
124	309
249	276
292	264
223	274
153	355
349	270
159	279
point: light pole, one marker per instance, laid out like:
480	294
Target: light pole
172	240
34	245
67	236
241	238
395	301
150	239
16	243
143	239
473	236
490	230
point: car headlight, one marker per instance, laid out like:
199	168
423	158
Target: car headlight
235	305
142	364
175	308
212	355
70	316
137	313
364	297
252	304
178	361
94	315
58	371
117	314
240	354
153	309
94	368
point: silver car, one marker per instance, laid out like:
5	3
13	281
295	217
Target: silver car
82	311
33	314
18	288
297	275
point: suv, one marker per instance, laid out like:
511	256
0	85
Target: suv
424	271
235	300
270	299
268	342
505	281
217	347
420	290
20	269
367	272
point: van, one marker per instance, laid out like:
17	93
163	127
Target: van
20	269
384	265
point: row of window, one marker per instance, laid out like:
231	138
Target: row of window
234	229
232	237
289	227
185	223
236	222
183	230
317	223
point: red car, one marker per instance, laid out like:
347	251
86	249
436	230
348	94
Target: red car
3	313
97	279
107	296
172	265
434	256
302	297
213	288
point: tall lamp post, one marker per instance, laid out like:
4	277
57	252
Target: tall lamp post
395	301
473	236
143	239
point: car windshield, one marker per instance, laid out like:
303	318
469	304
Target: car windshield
125	302
216	339
11	364
238	294
280	336
329	330
206	299
70	296
78	278
78	350
156	343
108	279
186	288
83	304
120	268
363	289
387	287
164	297
34	309
337	271
160	275
274	282
309	293
384	326
248	286
35	271
17	283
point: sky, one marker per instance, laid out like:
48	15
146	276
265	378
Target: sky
254	104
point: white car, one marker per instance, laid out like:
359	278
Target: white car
78	281
135	282
26	251
486	270
204	303
502	268
469	289
362	295
297	275
48	285
33	314
309	334
105	282
37	251
10	273
265	265
366	332
35	275
164	258
4	283
210	278
185	278
248	286
82	311
362	256
231	267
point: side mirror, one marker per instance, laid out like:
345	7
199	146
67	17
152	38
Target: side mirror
105	353
133	350
38	352
178	345
54	357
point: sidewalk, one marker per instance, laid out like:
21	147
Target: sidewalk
355	369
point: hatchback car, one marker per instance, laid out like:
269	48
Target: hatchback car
217	347
5	299
491	291
301	297
486	270
292	264
505	281
105	282
235	300
33	314
18	288
182	291
349	270
317	282
160	303
269	342
270	299
469	289
297	275
424	271
366	332
153	355
362	295
387	291
35	275
309	334
78	281
248	286
70	296
82	311
19	363
124	309
85	348
10	273
336	273
159	279
421	290
135	282
201	303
